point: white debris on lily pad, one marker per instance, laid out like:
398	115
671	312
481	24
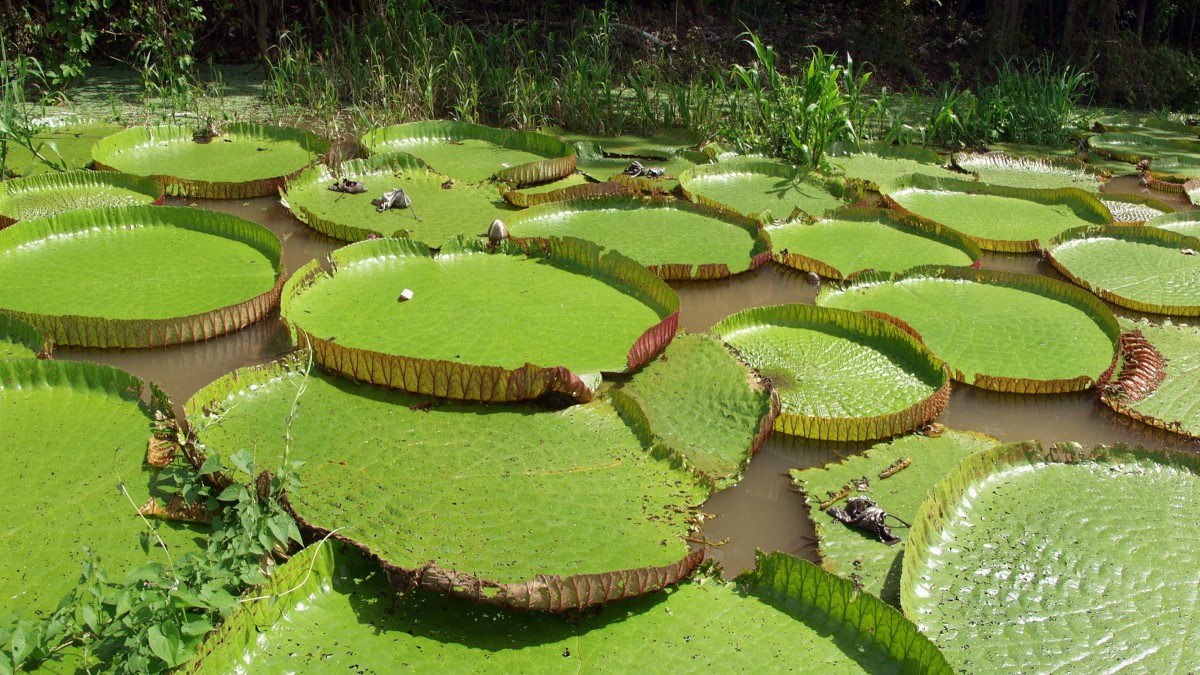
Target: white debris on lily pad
406	295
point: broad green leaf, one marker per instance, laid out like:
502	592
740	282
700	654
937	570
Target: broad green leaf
996	330
1042	173
138	276
1133	209
1186	223
674	239
664	144
74	435
882	164
442	208
499	326
998	218
788	614
840	375
1143	268
1043	560
856	554
21	340
764	189
474	153
52	194
852	240
243	160
67	145
1182	154
546	192
501	494
1159	382
702	406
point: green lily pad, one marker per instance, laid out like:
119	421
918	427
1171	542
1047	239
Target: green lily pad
997	330
1134	147
672	238
604	168
554	191
51	194
852	240
997	217
139	276
766	190
857	554
1041	559
1040	173
841	375
1160	376
514	505
786	611
475	153
66	143
441	208
703	407
1133	209
492	327
73	432
1186	223
880	164
1142	268
661	145
243	160
21	340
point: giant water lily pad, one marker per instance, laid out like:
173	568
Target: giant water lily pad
441	208
601	167
880	164
492	327
64	143
898	475
73	434
1041	173
1144	268
673	238
661	145
841	375
1133	147
702	406
787	611
474	153
242	160
852	240
140	276
1041	559
51	194
21	340
555	191
998	218
763	189
1186	223
515	505
1134	209
1159	381
996	330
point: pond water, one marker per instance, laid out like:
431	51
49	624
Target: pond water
763	511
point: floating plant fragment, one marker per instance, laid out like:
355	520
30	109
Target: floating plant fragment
787	613
852	240
1148	269
997	217
547	510
897	476
114	277
73	448
841	375
51	194
765	189
1159	382
475	153
996	330
242	160
702	406
499	326
1031	558
675	239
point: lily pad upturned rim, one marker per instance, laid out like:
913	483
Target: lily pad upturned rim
599	197
1142	235
884	150
1053	289
1101	176
543	593
23	333
1172	218
756	166
898	220
98	331
134	137
1134	141
1162	207
476	382
883	335
1058	196
526	200
82	179
378	164
559	156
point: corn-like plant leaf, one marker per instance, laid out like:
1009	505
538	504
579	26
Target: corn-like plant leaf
47	195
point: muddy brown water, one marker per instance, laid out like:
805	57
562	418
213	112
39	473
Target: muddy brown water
763	511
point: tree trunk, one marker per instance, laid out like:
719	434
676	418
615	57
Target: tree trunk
1141	19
